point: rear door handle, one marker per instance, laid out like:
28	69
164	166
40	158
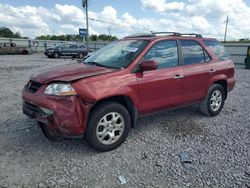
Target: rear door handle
211	71
177	76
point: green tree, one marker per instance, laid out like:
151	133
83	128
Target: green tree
102	37
93	37
6	32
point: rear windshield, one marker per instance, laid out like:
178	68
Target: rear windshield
218	49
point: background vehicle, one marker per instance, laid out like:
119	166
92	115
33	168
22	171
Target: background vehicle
138	75
12	48
74	50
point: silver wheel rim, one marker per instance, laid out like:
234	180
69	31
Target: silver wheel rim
216	100
110	128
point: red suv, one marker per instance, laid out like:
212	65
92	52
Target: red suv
102	97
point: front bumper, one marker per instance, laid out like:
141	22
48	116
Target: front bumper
231	83
65	116
48	53
34	112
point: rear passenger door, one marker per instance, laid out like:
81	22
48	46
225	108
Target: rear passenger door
161	88
73	49
197	70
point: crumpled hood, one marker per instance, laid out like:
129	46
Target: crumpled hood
69	72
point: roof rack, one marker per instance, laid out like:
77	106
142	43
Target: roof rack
141	35
191	34
168	33
153	34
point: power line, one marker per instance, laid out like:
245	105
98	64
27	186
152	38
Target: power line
120	25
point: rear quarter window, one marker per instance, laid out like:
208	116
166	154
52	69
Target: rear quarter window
218	49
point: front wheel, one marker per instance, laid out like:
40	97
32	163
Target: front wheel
214	101
56	55
108	126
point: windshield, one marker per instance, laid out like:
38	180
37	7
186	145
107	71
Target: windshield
118	54
58	45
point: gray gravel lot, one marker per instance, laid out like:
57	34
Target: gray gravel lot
218	147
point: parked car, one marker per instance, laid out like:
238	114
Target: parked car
74	50
102	97
12	48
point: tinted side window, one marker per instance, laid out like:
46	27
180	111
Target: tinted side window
81	46
65	46
218	49
193	53
73	46
164	53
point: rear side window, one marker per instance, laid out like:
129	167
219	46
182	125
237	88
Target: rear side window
193	53
73	46
218	49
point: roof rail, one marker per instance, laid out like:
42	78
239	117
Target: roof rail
168	33
141	35
153	34
191	34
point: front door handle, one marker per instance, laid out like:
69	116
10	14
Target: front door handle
177	76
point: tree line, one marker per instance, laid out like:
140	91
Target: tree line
102	37
7	33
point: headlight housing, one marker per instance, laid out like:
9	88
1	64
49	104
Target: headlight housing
60	89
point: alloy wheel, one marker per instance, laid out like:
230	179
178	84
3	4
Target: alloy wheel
216	100
110	128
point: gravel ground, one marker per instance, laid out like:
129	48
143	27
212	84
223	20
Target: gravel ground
217	148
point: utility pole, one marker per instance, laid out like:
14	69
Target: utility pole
109	31
85	6
225	35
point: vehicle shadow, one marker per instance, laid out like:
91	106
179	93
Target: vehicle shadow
178	122
25	133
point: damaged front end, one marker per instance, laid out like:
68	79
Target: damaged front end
63	113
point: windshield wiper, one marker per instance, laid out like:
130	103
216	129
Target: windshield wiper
95	63
100	65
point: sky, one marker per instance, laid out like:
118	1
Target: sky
123	17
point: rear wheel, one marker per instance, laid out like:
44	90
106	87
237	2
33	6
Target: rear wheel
80	55
108	126
24	52
214	101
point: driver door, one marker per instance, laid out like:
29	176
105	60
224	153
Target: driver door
161	88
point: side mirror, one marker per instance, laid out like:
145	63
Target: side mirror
148	65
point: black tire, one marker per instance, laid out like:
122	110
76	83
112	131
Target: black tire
56	55
206	107
47	134
102	111
24	52
80	55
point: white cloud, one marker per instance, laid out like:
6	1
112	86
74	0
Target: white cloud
203	16
162	5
